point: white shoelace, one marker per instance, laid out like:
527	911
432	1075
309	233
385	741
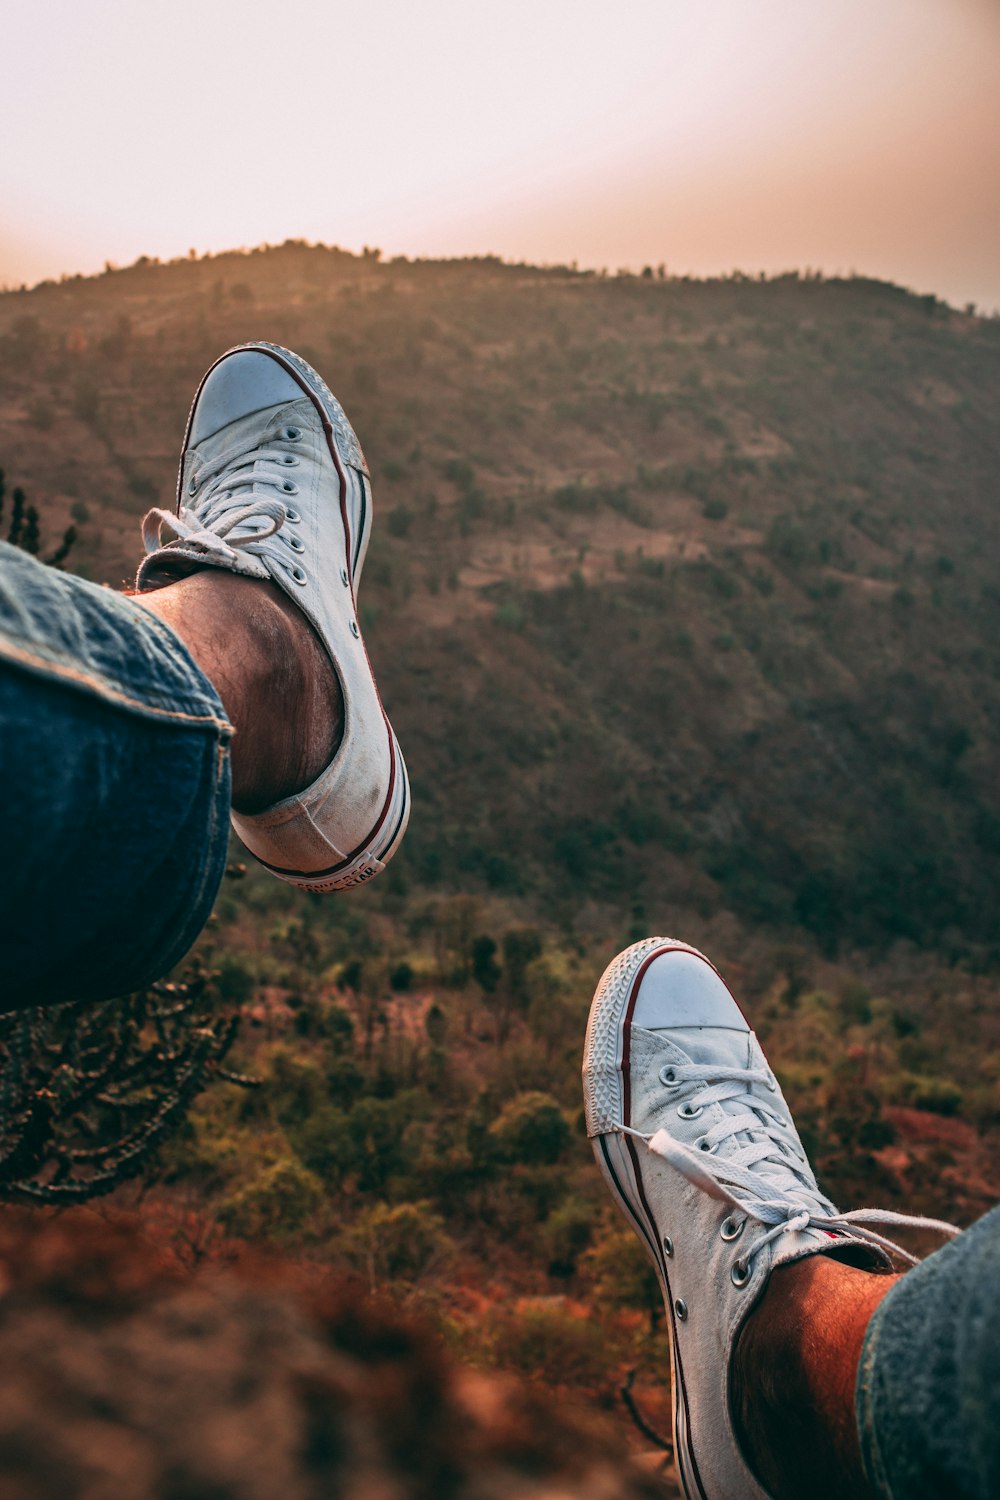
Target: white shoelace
761	1177
232	494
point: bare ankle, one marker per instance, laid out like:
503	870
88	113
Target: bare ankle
794	1374
278	686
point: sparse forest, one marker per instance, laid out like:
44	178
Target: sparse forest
684	597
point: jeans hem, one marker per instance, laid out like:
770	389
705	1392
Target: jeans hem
70	675
864	1404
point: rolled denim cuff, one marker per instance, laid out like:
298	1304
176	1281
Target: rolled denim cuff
927	1398
114	750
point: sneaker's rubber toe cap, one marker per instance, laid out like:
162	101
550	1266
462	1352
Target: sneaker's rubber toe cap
241	383
680	988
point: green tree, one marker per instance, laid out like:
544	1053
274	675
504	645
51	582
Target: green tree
395	1242
485	969
532	1129
276	1203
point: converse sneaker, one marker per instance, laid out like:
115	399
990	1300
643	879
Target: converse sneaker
273	485
696	1143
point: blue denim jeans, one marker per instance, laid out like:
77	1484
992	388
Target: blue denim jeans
114	770
928	1393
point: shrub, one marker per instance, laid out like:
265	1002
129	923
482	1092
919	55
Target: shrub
400	520
576	497
472	507
142	486
485	969
545	1340
789	542
326	1143
583	846
509	616
395	1242
278	1201
460	473
722	582
338	1026
619	1271
939	1095
521	946
566	1234
531	1129
380	1125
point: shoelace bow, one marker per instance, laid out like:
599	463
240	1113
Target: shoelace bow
740	1174
222	506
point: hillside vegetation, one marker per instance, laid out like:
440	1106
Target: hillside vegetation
684	600
684	594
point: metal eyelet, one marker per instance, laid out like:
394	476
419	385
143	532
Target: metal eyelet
689	1111
740	1274
702	1145
772	1083
192	486
668	1246
355	631
668	1077
345	580
289	460
292	515
681	1309
299	575
293	434
290	487
296	543
732	1228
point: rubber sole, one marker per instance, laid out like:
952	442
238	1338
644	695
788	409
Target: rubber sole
370	860
605	1101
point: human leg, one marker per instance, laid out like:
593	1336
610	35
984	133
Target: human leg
272	674
845	1383
928	1391
794	1376
114	759
769	1290
250	624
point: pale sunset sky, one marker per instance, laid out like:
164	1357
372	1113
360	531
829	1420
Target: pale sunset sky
707	134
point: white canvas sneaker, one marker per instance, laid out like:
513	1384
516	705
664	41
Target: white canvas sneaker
273	485
698	1148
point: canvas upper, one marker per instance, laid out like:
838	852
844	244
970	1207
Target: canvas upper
697	1145
273	485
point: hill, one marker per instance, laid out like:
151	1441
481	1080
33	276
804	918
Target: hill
684	599
684	594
